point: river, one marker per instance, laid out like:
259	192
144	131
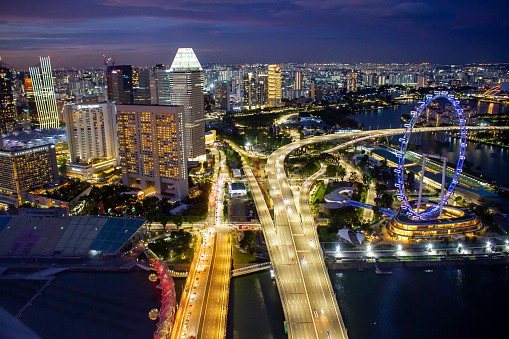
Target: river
493	161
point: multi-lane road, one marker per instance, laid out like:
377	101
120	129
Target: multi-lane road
203	309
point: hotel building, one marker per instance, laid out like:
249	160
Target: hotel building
44	93
151	147
27	169
91	131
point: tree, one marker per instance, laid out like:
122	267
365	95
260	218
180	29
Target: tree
63	168
178	220
341	172
248	242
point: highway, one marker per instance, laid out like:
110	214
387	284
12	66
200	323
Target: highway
215	308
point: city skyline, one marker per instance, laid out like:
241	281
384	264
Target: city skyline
231	31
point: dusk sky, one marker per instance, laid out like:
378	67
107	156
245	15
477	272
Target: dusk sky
145	32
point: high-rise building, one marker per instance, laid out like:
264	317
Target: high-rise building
26	169
141	86
7	108
222	95
44	94
186	89
152	148
153	91
351	85
120	83
32	108
422	81
274	86
91	131
298	81
163	86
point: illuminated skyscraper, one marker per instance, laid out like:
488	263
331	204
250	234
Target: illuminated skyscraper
186	89
7	108
91	130
120	84
298	81
151	147
44	93
274	85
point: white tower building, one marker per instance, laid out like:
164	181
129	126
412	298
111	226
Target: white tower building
186	89
44	93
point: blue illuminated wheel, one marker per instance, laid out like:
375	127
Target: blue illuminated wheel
400	184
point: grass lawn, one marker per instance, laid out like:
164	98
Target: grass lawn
240	258
319	194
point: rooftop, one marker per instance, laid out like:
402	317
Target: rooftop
185	60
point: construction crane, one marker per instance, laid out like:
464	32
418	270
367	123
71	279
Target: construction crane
107	60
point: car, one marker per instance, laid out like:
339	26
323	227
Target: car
328	334
303	258
315	313
322	311
189	313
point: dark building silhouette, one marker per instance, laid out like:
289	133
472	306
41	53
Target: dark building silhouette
120	84
7	108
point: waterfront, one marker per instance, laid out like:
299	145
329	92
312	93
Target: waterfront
435	302
493	161
411	303
90	305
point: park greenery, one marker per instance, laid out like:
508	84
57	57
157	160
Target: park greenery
112	200
180	244
68	191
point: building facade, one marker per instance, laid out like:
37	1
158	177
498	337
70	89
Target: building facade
44	94
27	169
152	148
91	131
141	86
274	85
222	95
7	107
120	84
186	89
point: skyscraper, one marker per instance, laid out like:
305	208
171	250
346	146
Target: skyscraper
186	89
298	81
44	93
120	84
151	146
222	95
91	130
141	86
163	86
274	86
7	108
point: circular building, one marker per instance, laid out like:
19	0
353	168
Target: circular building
454	222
